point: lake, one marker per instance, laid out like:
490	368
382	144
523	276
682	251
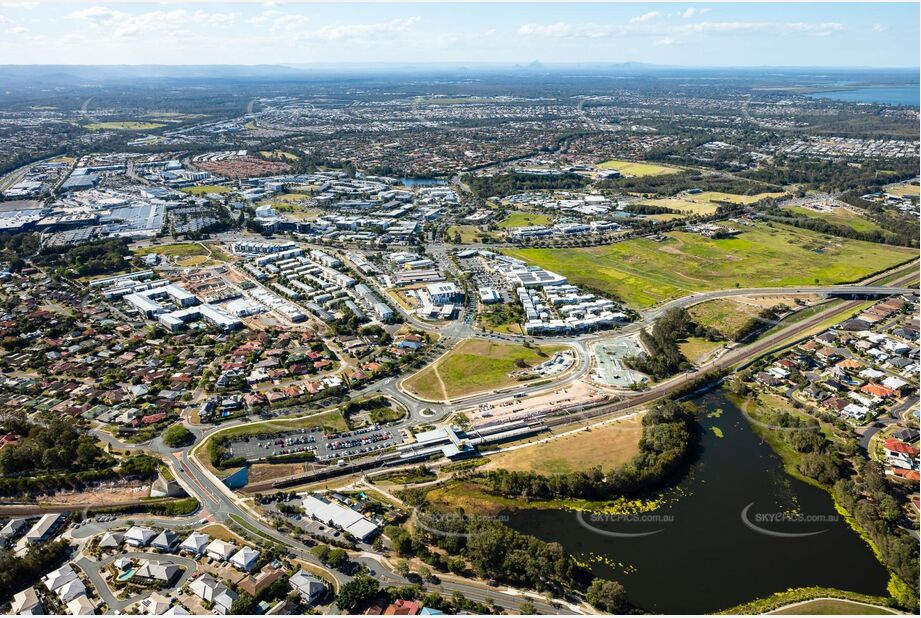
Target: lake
901	95
421	182
698	555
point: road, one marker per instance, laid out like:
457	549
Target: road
882	422
220	504
93	569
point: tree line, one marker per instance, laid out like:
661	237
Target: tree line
664	358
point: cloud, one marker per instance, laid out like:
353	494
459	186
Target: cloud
879	28
11	4
174	23
563	30
646	17
694	11
278	21
16	30
674	33
363	31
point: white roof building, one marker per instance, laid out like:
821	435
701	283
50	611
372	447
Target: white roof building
139	536
245	559
27	603
894	383
308	586
154	605
81	606
71	590
156	570
220	550
58	577
341	517
209	589
111	540
195	543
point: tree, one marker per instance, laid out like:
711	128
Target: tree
354	593
527	609
607	595
402	567
337	557
243	605
177	436
321	552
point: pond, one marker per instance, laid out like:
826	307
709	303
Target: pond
735	529
421	182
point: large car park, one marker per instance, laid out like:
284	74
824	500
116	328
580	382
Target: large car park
322	445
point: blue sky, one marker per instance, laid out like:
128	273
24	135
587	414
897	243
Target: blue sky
694	34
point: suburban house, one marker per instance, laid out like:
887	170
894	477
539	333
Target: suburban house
111	540
165	541
211	591
195	543
308	586
901	455
44	529
220	550
81	606
139	536
245	559
27	603
71	590
163	572
253	585
402	607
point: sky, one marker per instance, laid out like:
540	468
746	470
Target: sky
284	32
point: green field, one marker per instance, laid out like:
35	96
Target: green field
188	254
696	348
179	249
832	607
473	366
608	446
732	198
839	216
523	219
903	189
683	205
643	272
468	234
203	189
725	315
633	168
707	202
126	125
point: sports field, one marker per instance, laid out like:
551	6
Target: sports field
522	219
609	446
126	125
643	272
840	216
473	366
634	168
